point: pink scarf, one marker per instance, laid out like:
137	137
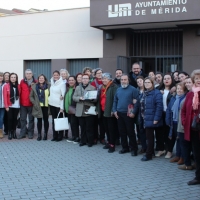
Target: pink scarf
195	100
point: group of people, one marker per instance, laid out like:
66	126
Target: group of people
155	109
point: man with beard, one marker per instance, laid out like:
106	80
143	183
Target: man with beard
135	72
125	98
118	74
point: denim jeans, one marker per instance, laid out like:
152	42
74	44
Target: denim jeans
186	149
2	111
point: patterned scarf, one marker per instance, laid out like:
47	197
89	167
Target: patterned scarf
40	92
14	94
195	100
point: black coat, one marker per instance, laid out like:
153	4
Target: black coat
133	81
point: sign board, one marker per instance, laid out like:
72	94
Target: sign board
120	12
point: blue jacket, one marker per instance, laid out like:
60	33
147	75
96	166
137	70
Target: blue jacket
169	114
153	109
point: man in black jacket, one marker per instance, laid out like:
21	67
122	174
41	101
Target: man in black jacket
118	74
135	72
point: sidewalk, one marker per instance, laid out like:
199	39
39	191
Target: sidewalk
35	170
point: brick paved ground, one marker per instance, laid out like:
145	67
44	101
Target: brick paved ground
61	170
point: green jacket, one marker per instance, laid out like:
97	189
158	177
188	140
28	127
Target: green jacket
36	111
110	93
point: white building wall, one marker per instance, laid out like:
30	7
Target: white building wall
48	35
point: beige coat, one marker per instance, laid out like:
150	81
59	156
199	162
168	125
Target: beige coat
36	111
80	105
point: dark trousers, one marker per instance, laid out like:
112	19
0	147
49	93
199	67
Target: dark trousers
24	111
127	129
117	136
45	112
5	122
150	142
172	141
87	129
186	148
162	135
109	125
12	118
138	131
160	138
54	112
142	132
99	131
195	139
74	123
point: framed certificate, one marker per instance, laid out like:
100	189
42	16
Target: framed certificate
90	95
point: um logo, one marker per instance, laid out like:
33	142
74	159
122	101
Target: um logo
120	10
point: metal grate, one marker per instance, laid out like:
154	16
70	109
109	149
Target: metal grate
77	65
161	42
39	67
158	50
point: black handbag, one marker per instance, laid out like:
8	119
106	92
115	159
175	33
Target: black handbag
196	123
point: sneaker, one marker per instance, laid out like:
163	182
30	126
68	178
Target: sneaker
76	141
169	155
184	167
70	139
160	153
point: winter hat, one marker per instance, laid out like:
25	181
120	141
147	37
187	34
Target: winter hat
107	75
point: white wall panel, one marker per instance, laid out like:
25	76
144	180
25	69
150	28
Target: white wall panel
64	34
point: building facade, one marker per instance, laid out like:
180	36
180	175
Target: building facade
162	35
49	41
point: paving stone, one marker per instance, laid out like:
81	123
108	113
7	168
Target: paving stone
61	170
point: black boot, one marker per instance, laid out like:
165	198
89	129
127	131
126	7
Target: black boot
45	136
9	135
14	134
39	137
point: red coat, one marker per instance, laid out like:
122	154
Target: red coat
187	115
6	95
25	90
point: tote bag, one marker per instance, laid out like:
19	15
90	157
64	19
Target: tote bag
61	124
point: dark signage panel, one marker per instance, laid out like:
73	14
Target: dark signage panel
118	12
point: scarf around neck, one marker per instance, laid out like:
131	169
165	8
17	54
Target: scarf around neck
135	76
14	93
195	100
41	92
106	87
175	107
